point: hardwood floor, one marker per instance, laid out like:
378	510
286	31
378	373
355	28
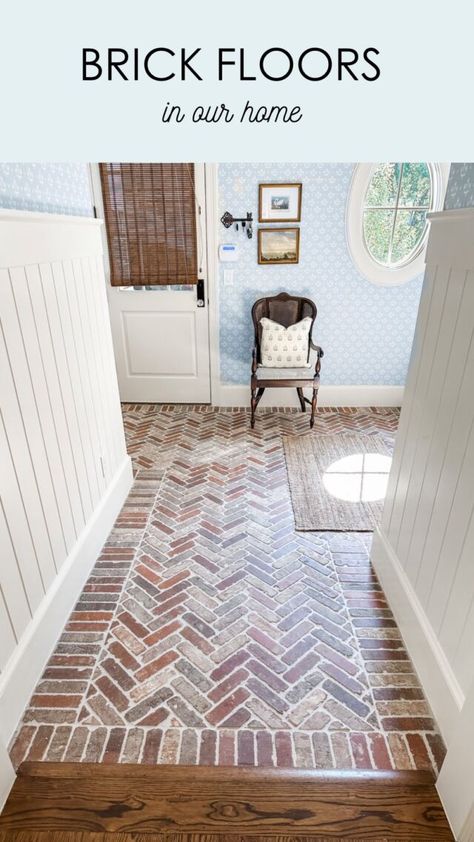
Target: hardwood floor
66	802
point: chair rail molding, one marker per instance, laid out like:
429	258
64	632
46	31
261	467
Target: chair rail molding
65	470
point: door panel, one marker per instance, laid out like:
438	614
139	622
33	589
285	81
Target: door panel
162	346
161	334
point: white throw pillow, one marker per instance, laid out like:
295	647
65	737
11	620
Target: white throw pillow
285	347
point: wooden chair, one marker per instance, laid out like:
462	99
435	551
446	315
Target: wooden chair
286	310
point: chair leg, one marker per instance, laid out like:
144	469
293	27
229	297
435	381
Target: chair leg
253	406
314	403
301	398
255	396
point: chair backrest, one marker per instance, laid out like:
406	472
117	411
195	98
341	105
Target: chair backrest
284	309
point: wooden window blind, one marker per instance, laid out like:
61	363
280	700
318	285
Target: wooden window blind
150	216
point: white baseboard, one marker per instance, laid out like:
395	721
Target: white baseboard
35	647
328	396
7	775
437	678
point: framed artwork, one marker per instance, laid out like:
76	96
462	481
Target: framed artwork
279	202
278	245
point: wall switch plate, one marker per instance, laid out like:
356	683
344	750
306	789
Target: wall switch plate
228	277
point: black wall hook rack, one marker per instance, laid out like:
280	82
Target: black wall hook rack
245	221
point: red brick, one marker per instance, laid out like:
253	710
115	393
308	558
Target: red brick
123	655
264	748
226	753
419	752
245	749
59	701
322	751
152	746
197	640
21	743
229	683
169	583
407	723
112	692
225	708
437	747
161	633
207	748
156	665
229	665
283	749
40	742
188	751
360	751
379	751
341	750
135	627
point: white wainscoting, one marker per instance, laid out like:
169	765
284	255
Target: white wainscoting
424	550
65	471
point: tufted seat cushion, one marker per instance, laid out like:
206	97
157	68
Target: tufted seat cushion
266	373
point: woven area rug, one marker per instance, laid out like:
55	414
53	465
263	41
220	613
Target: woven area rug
337	483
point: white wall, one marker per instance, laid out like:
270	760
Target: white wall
424	549
65	471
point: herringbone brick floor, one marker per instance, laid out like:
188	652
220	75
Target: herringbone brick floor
211	632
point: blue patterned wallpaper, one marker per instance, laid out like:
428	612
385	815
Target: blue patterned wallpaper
366	330
52	188
460	190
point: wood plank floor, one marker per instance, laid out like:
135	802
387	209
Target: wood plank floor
66	802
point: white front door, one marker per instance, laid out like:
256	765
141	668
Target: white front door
161	333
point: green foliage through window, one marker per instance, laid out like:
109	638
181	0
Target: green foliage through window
396	203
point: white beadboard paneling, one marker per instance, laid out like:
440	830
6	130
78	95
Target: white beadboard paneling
13	588
391	514
38	412
446	312
77	386
462	661
9	638
451	431
53	385
425	546
16	511
66	385
65	470
94	322
22	438
79	334
27	661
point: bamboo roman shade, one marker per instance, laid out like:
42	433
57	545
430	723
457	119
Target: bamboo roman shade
150	215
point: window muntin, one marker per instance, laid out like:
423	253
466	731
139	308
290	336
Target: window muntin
398	197
398	209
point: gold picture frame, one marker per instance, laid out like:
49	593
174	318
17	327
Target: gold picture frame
279	202
278	245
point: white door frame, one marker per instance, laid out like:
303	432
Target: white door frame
211	246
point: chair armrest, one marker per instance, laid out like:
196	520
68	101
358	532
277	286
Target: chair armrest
254	359
317	348
319	355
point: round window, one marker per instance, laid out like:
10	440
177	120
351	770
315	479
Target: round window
387	222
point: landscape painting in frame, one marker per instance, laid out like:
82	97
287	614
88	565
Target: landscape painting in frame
279	202
278	245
